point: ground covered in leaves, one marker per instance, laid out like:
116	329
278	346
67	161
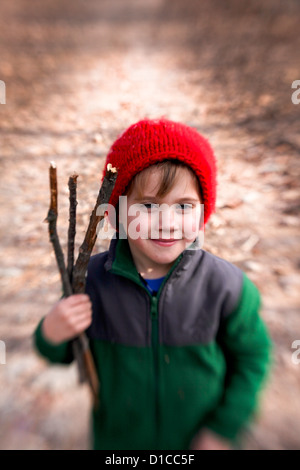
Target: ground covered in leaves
77	74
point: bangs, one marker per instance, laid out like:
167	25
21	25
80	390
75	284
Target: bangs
168	175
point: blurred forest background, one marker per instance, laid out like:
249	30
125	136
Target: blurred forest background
78	73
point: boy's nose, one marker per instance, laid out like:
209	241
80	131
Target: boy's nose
166	222
167	218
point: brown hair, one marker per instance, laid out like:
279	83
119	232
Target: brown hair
168	176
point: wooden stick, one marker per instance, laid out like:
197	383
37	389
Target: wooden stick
72	223
87	246
80	268
52	219
80	343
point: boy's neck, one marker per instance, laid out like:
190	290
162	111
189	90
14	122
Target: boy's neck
153	274
148	269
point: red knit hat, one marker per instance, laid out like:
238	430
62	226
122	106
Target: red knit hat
151	141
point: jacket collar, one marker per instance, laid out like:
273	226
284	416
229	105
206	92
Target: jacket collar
120	259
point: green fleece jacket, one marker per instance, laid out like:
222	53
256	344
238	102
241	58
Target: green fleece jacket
193	355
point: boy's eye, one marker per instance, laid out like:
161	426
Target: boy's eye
184	207
150	206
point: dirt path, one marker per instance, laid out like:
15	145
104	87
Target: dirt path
77	74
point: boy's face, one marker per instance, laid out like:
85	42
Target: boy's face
160	229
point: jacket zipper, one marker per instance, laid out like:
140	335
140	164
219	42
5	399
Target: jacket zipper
154	344
154	334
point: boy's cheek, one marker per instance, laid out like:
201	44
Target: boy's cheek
191	226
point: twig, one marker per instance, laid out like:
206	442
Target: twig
87	246
80	268
72	223
77	343
52	219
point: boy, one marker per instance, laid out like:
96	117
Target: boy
178	343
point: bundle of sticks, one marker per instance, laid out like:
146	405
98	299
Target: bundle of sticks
73	276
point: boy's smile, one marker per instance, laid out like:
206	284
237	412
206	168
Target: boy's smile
164	242
159	230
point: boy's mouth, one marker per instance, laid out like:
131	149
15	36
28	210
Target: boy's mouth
164	241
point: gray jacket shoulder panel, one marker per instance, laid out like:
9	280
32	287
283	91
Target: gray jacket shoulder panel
225	278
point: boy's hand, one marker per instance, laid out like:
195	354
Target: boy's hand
208	440
68	318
